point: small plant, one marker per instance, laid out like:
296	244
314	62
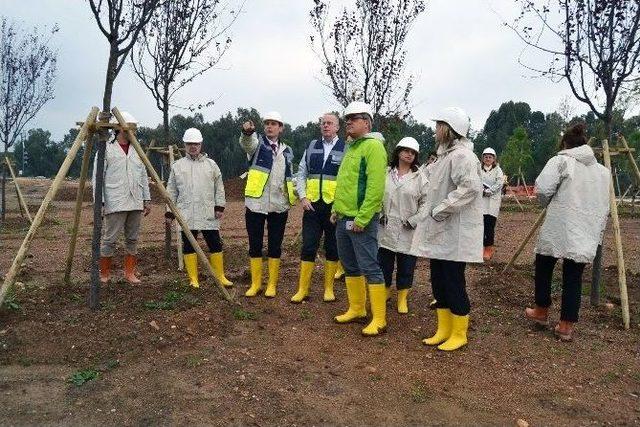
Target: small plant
75	297
241	314
11	302
83	376
169	302
193	361
419	394
305	314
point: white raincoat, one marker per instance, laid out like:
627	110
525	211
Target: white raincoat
453	231
404	200
196	187
492	181
126	185
575	189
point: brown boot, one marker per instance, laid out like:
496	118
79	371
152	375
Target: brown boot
130	269
564	331
538	315
105	269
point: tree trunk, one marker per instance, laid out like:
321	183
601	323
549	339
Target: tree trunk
4	183
103	136
165	133
596	268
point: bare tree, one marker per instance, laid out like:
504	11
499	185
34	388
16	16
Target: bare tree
27	76
593	44
183	40
362	51
120	21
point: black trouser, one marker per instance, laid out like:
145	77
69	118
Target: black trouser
406	266
276	223
571	285
212	237
314	224
449	286
489	230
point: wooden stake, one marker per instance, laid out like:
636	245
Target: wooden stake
177	232
632	159
622	278
201	255
534	227
84	171
21	201
57	182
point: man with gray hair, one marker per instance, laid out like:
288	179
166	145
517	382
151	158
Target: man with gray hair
316	186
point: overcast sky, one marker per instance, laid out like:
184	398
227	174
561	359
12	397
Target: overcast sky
459	52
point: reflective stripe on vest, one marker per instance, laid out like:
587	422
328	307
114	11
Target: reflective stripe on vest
321	178
260	169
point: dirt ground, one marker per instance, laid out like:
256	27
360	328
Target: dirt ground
160	353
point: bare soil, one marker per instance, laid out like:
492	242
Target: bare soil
167	354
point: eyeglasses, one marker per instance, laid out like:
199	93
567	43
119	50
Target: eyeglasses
356	117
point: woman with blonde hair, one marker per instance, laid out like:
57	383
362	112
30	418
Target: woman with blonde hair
451	234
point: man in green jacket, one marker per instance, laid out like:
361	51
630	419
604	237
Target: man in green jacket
358	201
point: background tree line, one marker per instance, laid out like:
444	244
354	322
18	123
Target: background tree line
523	138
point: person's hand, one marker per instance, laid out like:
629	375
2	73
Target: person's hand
333	218
357	228
248	127
407	225
168	221
146	208
487	193
218	214
306	204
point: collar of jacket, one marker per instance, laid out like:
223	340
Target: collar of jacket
200	157
457	143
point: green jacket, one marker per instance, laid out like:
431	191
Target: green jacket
361	179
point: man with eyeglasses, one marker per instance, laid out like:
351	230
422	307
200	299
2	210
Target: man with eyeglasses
358	201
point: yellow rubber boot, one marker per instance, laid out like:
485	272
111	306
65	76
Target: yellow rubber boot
330	268
339	271
357	296
403	308
274	273
217	264
378	296
458	338
256	277
444	327
306	269
191	265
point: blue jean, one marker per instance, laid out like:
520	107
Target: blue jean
358	252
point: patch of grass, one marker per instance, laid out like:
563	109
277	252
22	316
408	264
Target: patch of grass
492	311
25	361
305	314
194	360
83	376
169	302
241	314
419	394
610	377
11	301
75	297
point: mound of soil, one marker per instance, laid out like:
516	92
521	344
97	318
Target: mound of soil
69	192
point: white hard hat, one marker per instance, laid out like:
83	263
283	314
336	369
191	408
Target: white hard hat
489	150
456	118
273	115
192	135
128	118
358	107
409	142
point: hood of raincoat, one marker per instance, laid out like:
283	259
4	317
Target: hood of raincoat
583	154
